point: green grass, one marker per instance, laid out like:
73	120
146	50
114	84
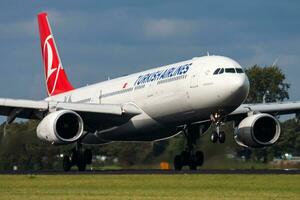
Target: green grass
43	187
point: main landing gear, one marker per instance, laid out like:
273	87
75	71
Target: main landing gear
217	135
79	157
189	157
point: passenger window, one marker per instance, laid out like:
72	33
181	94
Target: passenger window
229	70
217	71
239	70
221	71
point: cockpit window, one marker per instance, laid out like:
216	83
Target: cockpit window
239	70
229	70
221	71
217	71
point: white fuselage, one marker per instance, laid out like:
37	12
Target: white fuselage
168	97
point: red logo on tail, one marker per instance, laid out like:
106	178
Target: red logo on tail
56	79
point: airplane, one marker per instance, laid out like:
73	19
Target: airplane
186	98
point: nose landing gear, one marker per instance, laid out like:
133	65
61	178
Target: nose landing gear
217	135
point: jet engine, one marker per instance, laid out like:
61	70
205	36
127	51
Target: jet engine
61	127
258	130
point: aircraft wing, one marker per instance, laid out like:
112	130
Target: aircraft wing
30	109
97	116
280	108
26	109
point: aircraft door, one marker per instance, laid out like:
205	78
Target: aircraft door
195	93
194	80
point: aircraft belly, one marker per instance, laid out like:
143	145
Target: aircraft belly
92	138
139	128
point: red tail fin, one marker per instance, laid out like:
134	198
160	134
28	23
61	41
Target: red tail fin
56	79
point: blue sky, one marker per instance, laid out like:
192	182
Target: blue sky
97	39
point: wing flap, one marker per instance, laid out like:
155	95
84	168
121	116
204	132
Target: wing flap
111	109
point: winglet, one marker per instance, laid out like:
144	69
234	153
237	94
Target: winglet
56	79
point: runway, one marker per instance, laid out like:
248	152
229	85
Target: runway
156	171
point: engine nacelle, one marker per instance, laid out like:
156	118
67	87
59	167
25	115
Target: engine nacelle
259	130
61	127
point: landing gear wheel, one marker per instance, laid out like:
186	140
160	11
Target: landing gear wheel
193	165
66	163
177	163
185	157
88	156
214	137
79	156
222	137
81	166
189	157
199	157
81	160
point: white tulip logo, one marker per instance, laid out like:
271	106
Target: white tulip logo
49	63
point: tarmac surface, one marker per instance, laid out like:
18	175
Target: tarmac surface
156	171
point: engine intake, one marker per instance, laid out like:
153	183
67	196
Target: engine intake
258	130
61	127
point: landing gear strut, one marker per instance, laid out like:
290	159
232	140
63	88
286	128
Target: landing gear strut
217	134
79	157
189	157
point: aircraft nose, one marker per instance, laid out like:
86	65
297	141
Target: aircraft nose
240	87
